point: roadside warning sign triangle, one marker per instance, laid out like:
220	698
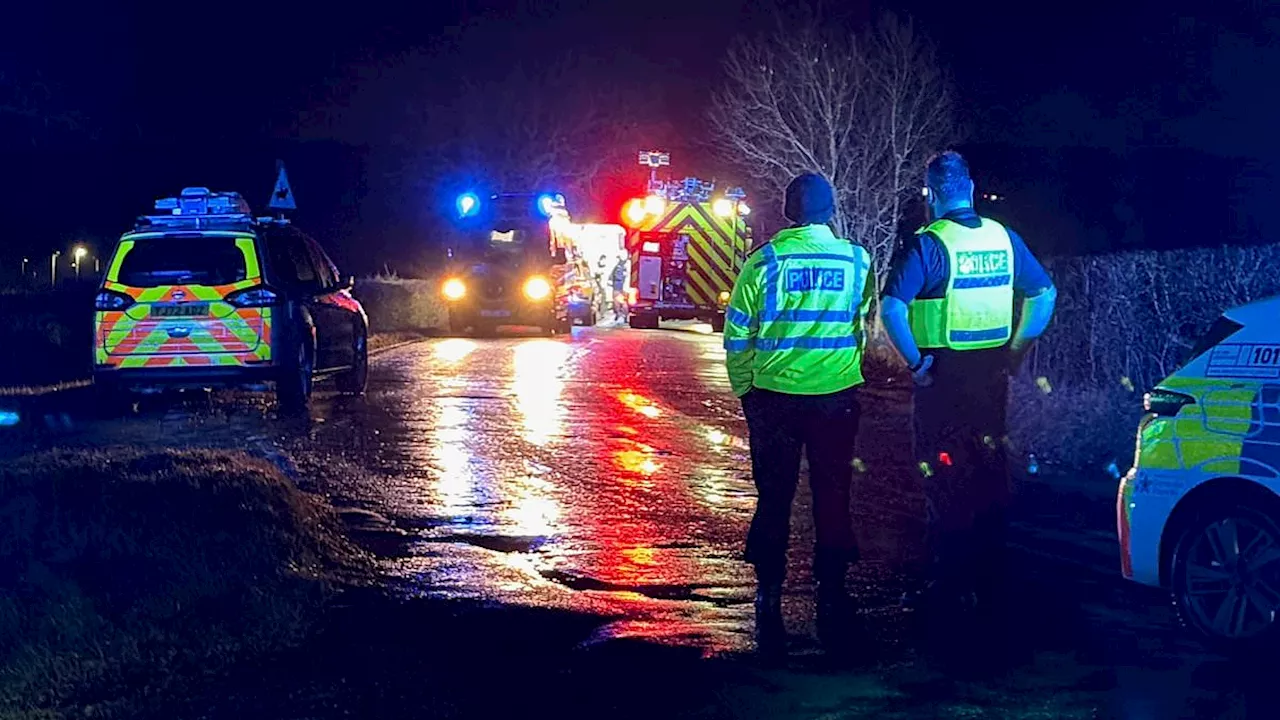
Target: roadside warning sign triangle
282	195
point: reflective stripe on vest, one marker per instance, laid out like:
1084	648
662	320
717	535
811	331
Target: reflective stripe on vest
808	331
977	310
809	294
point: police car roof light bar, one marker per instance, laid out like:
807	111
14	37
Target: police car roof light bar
198	208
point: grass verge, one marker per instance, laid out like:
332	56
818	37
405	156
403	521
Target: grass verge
124	574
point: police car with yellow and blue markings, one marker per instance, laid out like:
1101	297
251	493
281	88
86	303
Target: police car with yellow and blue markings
1199	513
204	294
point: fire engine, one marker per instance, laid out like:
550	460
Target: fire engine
686	245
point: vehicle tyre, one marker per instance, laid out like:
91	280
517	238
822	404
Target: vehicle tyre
354	381
111	400
1226	576
717	323
293	389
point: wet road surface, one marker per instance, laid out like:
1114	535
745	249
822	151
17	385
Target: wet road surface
607	475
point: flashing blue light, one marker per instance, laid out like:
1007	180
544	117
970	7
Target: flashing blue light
9	418
468	204
550	203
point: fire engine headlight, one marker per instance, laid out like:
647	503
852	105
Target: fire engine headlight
454	289
537	288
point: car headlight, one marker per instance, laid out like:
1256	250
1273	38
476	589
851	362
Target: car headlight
454	289
537	288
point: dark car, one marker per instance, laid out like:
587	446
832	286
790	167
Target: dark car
210	296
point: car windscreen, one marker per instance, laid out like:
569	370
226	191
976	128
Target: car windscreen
201	260
506	239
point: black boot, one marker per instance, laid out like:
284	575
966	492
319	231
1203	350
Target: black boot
771	633
838	620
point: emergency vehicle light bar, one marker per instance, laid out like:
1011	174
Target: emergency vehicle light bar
200	201
198	208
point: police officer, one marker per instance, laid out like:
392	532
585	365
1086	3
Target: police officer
948	308
794	339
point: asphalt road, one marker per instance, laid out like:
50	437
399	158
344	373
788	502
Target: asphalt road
605	477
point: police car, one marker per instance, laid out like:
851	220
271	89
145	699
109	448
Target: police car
1199	513
207	295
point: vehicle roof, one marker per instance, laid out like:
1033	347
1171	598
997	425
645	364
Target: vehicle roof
230	228
1265	310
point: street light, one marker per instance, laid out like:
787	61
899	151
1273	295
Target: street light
53	267
24	267
78	253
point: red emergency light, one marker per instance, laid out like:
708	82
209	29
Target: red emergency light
634	213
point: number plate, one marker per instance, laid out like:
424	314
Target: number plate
495	313
180	309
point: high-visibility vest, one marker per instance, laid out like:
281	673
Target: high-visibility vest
976	312
795	321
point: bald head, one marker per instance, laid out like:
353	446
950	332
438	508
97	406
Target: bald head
950	187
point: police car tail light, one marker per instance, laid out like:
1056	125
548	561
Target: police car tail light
254	297
1165	402
111	300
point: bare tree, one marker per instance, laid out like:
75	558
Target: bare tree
29	110
865	110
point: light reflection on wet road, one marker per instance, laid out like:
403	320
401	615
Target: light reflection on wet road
590	473
607	473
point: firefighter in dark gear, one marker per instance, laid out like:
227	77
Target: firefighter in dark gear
794	338
619	285
948	309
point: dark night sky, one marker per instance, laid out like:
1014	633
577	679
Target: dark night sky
220	95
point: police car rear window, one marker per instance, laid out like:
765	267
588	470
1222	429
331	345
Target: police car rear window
153	262
1221	329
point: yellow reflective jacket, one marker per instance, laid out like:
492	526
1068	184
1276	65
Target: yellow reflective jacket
976	312
795	320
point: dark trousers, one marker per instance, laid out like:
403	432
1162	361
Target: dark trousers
780	426
959	428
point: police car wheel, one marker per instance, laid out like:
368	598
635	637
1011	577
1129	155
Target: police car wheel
112	400
353	381
293	389
1226	576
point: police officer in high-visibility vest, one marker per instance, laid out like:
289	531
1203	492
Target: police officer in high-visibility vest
948	308
794	337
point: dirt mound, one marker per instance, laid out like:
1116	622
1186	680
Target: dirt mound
123	571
